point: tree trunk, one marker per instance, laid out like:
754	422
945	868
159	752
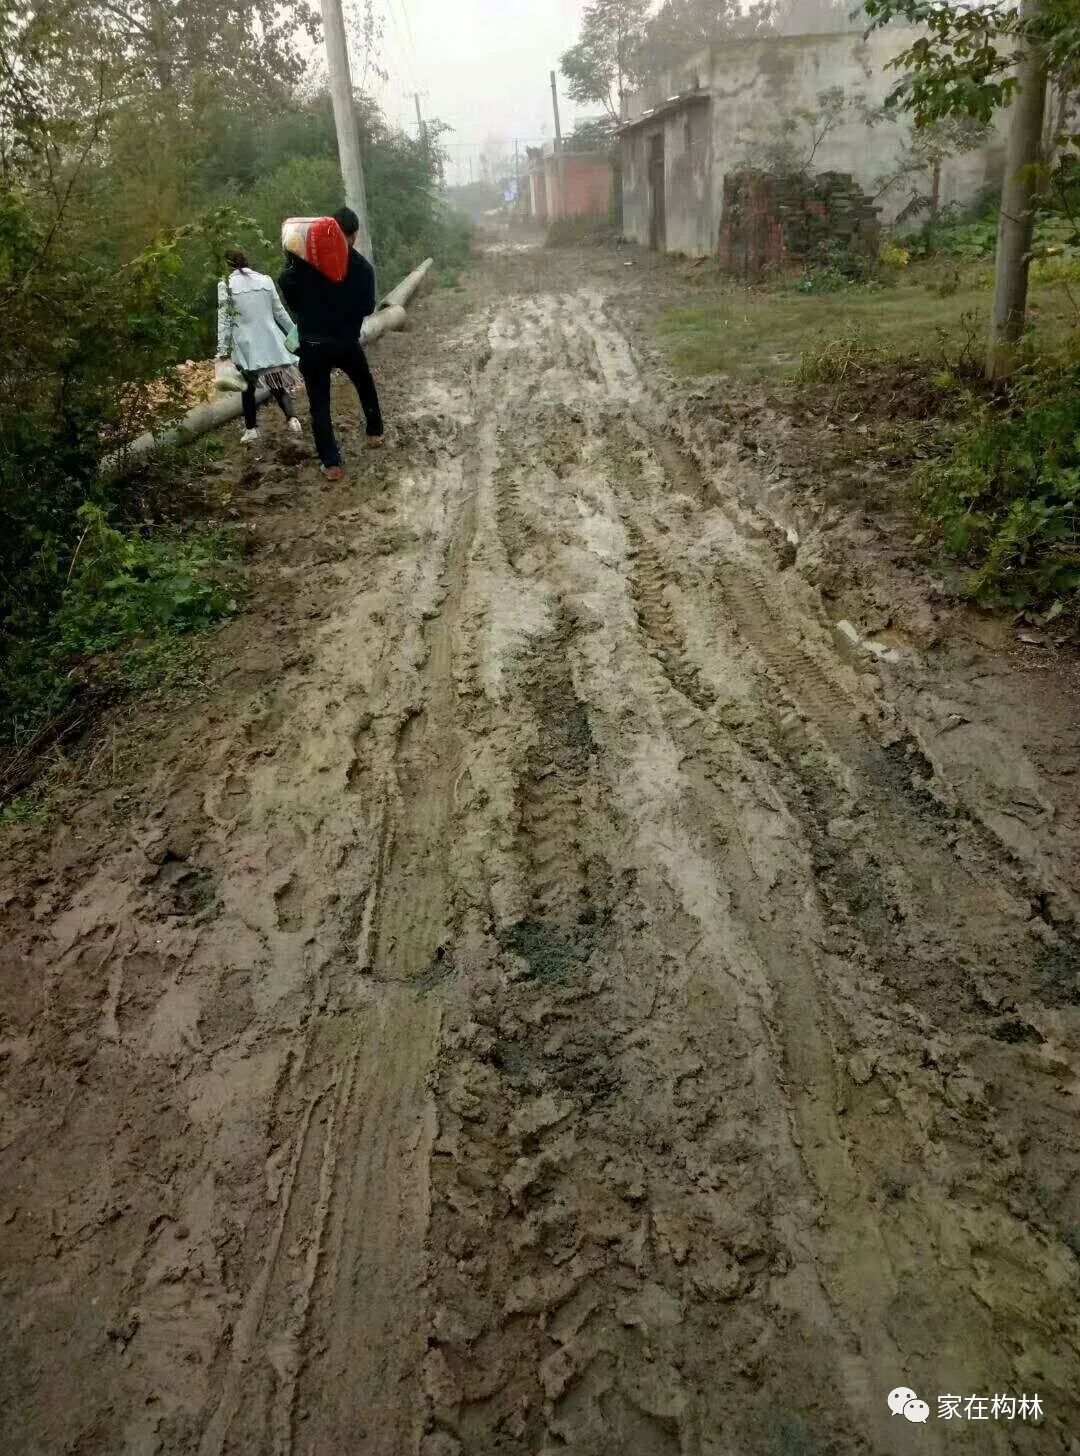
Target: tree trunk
160	48
1022	156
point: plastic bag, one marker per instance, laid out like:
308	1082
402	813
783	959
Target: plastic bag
292	340
227	378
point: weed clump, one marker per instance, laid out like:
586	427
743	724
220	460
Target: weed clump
1006	500
552	954
130	599
998	486
852	373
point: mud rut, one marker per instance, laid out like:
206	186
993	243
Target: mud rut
561	1036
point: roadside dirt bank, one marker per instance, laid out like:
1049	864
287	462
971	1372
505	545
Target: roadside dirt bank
560	991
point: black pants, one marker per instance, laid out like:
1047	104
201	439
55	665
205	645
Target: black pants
317	364
247	400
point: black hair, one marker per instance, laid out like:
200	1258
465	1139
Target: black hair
237	258
347	221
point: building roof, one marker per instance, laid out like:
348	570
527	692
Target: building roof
537	164
665	108
702	63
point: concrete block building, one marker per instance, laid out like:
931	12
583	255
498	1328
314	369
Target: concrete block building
683	136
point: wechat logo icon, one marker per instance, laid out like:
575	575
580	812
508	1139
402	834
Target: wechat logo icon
904	1402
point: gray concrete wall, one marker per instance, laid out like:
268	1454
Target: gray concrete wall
688	189
635	186
688	143
756	83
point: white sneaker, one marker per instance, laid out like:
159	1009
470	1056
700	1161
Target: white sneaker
295	427
249	437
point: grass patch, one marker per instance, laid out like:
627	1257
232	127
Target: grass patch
132	599
39	775
757	334
552	954
130	584
1059	966
884	390
990	477
788	1437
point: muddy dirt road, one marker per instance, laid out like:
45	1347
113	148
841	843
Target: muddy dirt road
551	997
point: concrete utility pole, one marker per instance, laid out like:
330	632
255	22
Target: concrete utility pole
421	133
341	93
559	160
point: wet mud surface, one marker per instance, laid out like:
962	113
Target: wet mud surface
558	993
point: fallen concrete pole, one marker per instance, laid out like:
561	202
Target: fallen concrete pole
383	322
400	296
389	315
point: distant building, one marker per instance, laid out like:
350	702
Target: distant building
681	138
589	185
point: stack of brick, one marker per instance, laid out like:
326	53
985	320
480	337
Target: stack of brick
772	221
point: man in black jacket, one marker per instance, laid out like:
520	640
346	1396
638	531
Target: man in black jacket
328	318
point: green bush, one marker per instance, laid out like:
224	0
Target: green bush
300	187
110	254
82	343
128	595
1055	235
129	585
1007	499
830	279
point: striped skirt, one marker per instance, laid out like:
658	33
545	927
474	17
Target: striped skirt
285	378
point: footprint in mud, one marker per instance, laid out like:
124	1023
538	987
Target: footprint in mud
362	749
597	1409
292	454
230	1011
189	887
145	978
284	848
289	906
233	798
263	730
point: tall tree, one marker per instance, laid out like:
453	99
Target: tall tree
971	61
178	52
178	43
917	171
817	17
1016	223
681	27
601	67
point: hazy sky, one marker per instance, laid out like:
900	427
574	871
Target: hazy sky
483	65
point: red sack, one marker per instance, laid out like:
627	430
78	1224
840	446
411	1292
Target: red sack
320	242
327	249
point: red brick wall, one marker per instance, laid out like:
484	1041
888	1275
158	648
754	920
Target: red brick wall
589	187
751	234
770	221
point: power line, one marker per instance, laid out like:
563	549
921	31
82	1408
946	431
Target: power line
377	62
402	49
505	138
409	30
